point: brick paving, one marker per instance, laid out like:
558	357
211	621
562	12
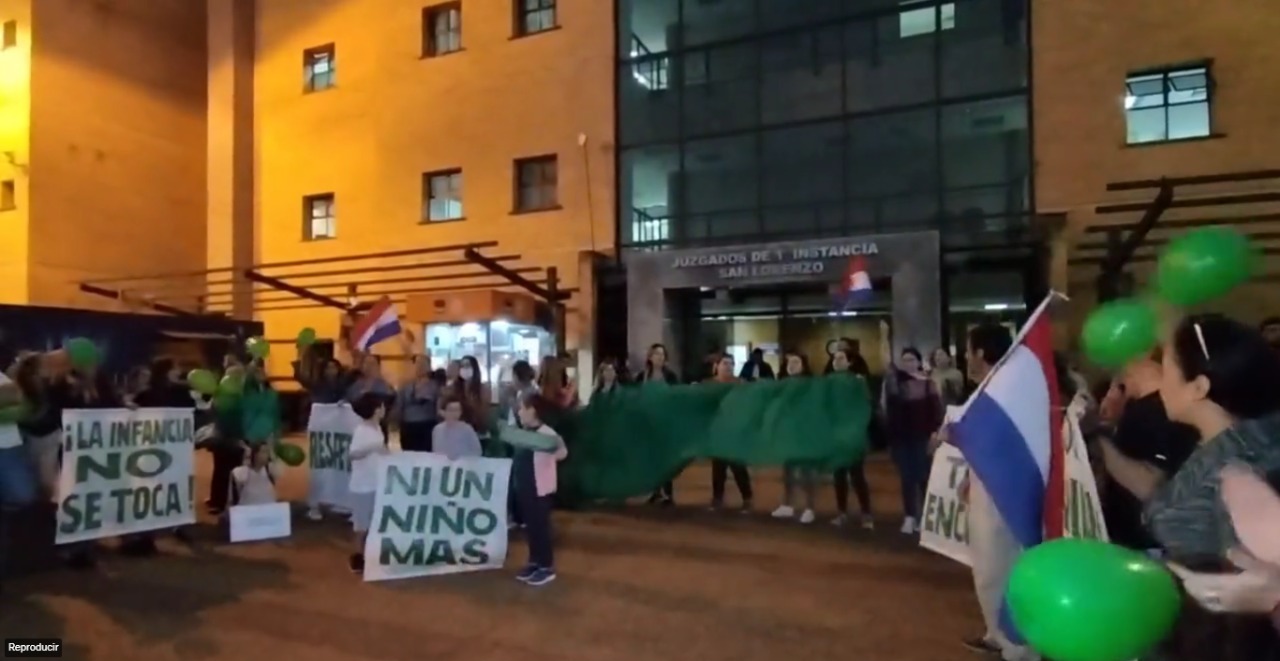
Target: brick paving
636	584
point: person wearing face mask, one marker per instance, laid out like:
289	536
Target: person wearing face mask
913	411
794	477
1222	378
473	393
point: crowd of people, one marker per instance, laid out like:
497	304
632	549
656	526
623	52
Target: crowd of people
1161	431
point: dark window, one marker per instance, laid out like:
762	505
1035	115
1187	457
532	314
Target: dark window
9	38
442	195
536	183
8	196
442	29
318	219
1170	104
534	16
318	68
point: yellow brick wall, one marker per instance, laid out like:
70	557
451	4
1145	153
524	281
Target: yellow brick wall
117	143
15	153
395	115
1083	50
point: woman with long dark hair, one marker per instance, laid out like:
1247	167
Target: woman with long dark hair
1222	378
796	365
720	469
473	393
417	407
608	378
913	411
855	474
656	371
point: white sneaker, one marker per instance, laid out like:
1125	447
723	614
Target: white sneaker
868	523
840	520
784	512
807	516
315	514
909	526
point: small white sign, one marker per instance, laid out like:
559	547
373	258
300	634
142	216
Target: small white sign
251	523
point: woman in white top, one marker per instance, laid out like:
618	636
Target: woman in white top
367	445
255	482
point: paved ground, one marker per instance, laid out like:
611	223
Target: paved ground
636	584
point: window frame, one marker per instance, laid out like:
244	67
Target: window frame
8	195
309	58
520	14
427	195
541	162
1167	73
309	218
430	40
9	34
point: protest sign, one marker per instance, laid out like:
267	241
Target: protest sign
329	432
944	524
433	515
251	523
125	471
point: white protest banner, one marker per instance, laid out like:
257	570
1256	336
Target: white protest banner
125	471
252	523
329	432
944	527
433	515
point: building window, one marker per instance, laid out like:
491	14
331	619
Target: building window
924	17
653	72
1167	105
534	16
647	229
8	195
442	29
9	35
443	193
318	219
318	68
536	183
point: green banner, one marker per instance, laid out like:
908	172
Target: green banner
629	442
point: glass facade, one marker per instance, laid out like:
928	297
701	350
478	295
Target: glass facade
742	120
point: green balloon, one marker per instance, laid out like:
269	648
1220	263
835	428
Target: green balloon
1085	600
231	384
83	353
306	337
290	454
202	381
257	347
1203	265
1118	332
225	401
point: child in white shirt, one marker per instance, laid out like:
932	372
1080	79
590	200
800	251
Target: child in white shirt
254	483
368	444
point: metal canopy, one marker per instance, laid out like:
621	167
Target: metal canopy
297	284
1250	201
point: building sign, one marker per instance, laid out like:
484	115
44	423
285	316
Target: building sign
775	263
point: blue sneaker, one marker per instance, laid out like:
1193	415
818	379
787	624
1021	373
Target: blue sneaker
542	576
527	573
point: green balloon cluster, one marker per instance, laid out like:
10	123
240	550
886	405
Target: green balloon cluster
202	381
1085	600
306	337
1195	268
